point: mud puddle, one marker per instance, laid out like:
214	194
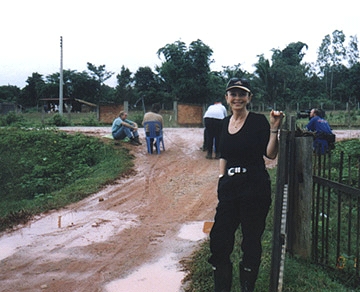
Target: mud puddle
163	275
53	231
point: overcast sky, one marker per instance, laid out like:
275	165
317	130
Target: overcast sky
130	32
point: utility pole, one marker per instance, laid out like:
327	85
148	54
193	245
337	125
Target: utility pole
61	102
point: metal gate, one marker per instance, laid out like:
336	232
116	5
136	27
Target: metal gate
335	211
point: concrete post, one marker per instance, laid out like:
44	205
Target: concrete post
302	199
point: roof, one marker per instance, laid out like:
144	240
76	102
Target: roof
67	99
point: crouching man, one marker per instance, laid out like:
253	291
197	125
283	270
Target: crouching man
122	128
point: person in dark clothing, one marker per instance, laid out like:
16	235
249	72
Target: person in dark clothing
244	191
323	132
213	123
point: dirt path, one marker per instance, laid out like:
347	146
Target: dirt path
136	220
101	241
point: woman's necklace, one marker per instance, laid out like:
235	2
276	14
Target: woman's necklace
237	123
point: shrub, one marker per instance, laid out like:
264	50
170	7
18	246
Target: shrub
11	118
59	121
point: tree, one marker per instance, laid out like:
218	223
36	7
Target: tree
185	72
100	75
331	54
124	89
216	87
77	85
148	86
353	51
288	73
281	80
9	93
171	70
82	86
33	91
264	85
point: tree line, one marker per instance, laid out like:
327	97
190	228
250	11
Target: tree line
185	76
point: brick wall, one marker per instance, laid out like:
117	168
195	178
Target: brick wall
189	115
107	113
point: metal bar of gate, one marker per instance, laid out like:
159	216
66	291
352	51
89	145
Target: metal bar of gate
283	236
280	182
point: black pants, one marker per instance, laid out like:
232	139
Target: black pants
213	131
229	215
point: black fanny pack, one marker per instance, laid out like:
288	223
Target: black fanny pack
330	138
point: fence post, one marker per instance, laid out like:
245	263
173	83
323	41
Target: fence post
302	199
175	108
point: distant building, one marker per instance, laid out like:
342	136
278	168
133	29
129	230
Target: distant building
73	105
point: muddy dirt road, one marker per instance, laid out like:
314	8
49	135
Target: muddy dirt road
105	237
93	244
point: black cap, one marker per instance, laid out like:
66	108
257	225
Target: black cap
241	83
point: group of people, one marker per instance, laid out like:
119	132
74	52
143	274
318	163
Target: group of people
240	141
123	128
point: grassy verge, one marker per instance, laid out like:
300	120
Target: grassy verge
300	276
47	169
36	119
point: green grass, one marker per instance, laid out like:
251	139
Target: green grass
36	119
47	169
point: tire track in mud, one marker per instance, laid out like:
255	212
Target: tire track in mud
162	193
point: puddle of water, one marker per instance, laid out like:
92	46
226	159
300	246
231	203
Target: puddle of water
66	229
192	231
163	275
8	246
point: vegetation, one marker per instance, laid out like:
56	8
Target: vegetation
40	120
285	81
47	169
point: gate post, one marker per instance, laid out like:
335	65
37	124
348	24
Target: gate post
300	209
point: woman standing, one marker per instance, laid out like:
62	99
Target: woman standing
244	190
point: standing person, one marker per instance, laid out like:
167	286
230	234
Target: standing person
153	115
122	128
244	189
213	123
323	132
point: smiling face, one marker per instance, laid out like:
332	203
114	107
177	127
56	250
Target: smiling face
237	98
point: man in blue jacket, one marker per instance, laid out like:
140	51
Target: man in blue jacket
323	132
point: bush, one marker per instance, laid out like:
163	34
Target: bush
11	118
59	121
90	121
